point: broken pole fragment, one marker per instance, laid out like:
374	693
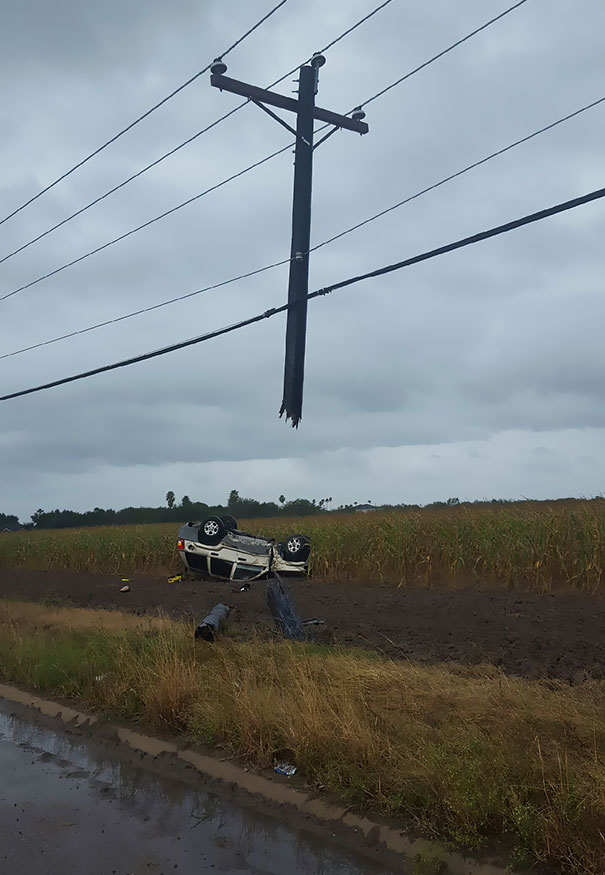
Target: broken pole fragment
213	623
283	610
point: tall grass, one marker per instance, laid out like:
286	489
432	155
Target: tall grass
527	545
468	755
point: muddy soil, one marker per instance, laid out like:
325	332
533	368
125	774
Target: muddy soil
534	636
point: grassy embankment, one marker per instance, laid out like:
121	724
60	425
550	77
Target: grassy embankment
528	545
466	754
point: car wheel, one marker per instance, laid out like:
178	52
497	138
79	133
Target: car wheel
212	531
229	522
296	548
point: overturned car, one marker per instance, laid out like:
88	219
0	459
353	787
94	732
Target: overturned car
216	547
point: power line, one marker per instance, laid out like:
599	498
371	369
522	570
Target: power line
468	241
445	51
144	224
357	24
459	173
234	279
262	161
381	271
144	115
120	185
180	146
361	224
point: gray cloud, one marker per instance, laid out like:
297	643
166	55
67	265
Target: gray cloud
497	340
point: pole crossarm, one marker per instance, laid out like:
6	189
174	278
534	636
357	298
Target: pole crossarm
263	95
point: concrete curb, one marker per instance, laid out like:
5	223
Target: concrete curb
362	829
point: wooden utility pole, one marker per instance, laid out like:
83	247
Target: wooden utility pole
298	283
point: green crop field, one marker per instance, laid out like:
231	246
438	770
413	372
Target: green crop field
527	545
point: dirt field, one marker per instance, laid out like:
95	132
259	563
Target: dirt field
533	636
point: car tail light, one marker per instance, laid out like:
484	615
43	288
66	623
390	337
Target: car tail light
180	544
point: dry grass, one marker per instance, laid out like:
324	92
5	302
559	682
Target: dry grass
467	754
34	615
531	546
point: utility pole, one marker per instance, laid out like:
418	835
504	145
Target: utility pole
298	282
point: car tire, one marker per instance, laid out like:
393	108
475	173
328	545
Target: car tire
211	531
229	522
296	548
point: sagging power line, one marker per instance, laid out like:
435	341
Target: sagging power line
187	142
188	201
145	115
531	218
363	223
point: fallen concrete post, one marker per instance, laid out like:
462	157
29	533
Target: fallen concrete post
212	624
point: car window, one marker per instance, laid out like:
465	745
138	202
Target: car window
220	568
246	572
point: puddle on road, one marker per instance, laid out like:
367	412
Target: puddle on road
66	807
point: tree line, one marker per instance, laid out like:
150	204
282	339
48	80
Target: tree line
177	512
172	511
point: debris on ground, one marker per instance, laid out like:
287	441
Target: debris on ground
175	579
125	588
549	637
212	624
287	769
283	610
315	621
244	588
126	579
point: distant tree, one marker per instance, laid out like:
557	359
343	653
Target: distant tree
186	501
234	499
9	521
453	502
282	500
36	517
170	499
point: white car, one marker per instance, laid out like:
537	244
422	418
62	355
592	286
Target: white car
217	548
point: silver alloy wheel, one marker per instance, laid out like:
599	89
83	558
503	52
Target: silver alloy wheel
211	528
293	545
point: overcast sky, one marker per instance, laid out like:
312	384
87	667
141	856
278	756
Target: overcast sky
478	374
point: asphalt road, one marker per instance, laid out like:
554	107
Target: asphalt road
66	808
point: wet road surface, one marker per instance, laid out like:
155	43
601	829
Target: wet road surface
67	808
